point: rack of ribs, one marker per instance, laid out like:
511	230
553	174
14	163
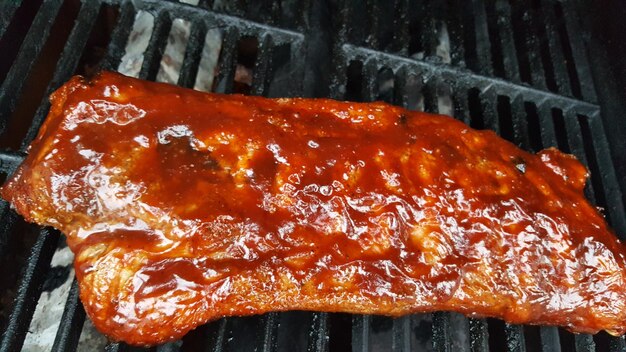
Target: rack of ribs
183	207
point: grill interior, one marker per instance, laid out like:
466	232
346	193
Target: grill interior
520	68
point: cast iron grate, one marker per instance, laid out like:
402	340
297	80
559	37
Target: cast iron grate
515	67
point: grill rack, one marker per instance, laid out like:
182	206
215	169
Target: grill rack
541	99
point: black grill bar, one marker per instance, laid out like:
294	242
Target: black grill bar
361	332
456	31
193	54
606	172
529	43
372	10
401	334
479	335
584	343
556	48
515	341
482	42
400	41
318	333
617	344
29	290
66	65
29	52
156	46
442	339
119	37
7	10
71	323
428	30
576	40
262	67
502	26
550	341
169	347
457	77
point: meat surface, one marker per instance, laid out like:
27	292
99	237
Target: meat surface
183	207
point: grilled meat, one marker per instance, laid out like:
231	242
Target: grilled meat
183	207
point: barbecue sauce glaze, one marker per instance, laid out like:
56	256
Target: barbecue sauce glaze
183	207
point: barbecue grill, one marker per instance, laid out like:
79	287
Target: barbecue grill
533	71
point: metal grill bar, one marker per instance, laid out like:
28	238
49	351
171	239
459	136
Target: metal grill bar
7	10
169	347
318	333
515	341
401	334
550	341
457	77
579	52
483	44
617	344
555	48
29	52
29	290
479	335
504	32
606	172
456	35
361	333
373	17
71	322
400	41
119	38
262	67
584	343
428	30
193	53
67	63
158	40
529	43
442	339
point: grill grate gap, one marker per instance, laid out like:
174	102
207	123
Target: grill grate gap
596	176
567	340
66	65
497	335
13	31
567	51
135	47
497	57
475	109
505	119
339	325
35	81
559	128
534	126
354	82
174	52
544	47
247	51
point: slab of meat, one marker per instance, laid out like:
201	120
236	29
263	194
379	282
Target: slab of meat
183	207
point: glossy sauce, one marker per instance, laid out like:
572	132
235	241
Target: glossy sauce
183	207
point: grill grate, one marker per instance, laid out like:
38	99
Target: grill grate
517	68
